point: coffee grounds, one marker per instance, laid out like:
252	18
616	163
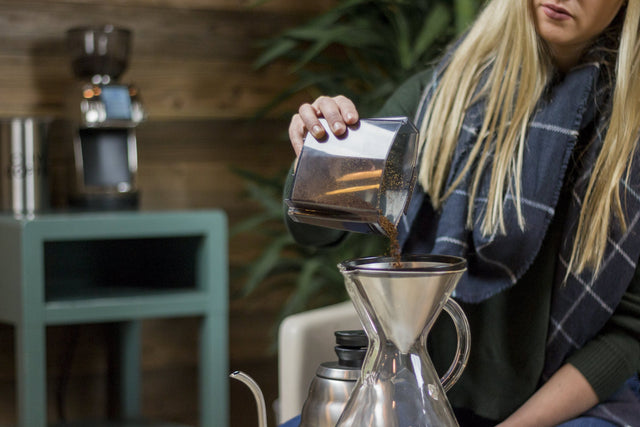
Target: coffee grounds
338	181
351	184
391	231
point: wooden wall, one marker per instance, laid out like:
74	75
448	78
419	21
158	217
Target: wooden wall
191	60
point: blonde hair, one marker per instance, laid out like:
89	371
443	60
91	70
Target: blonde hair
503	44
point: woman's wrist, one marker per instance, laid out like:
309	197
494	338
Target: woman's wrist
566	395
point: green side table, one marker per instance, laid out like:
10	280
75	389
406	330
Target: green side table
119	267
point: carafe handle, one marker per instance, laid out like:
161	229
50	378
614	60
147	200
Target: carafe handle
464	344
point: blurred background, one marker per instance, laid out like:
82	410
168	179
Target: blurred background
218	80
192	61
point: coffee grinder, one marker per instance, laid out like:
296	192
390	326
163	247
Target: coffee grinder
104	116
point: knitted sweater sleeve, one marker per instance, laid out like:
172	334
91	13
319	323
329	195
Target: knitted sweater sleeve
613	355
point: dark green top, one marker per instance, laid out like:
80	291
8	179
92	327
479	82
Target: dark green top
509	330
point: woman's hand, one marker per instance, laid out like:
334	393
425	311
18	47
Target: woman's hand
339	112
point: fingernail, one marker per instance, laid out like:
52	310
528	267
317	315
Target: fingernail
317	130
337	126
349	117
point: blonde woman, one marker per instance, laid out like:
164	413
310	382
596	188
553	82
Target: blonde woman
530	169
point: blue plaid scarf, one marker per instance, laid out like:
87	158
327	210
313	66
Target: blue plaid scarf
581	306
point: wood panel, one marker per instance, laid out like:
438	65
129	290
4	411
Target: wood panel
242	5
159	32
187	62
191	88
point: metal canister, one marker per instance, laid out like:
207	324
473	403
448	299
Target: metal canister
334	381
24	184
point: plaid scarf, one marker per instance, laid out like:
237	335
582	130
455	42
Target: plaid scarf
581	306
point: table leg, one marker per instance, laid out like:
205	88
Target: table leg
124	372
31	375
214	375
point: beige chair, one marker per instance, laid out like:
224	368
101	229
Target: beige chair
305	340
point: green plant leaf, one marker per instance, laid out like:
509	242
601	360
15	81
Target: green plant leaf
267	262
271	202
274	182
279	48
252	223
434	26
307	284
301	84
310	53
465	12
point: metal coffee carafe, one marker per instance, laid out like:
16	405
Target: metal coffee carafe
350	182
397	303
334	381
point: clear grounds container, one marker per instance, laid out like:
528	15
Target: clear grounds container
355	181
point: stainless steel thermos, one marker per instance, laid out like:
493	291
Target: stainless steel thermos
24	185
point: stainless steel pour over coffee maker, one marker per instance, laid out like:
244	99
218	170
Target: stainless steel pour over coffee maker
398	304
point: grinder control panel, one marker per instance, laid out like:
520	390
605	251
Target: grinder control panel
110	106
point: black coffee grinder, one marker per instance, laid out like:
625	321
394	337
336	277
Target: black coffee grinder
105	159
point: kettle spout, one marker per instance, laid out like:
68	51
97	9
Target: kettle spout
257	393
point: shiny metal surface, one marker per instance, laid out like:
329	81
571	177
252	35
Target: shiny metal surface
24	183
257	394
328	394
333	371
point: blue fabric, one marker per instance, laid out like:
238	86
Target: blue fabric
578	422
587	422
622	407
496	262
293	422
630	390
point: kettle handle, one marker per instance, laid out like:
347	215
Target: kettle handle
461	357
